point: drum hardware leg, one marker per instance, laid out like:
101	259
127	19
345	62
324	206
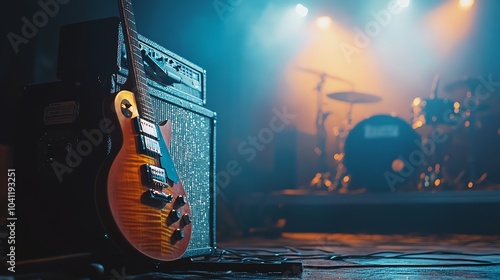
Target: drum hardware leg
435	174
322	178
472	151
339	179
432	178
342	178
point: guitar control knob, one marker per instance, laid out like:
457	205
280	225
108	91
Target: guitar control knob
180	201
174	215
178	234
186	219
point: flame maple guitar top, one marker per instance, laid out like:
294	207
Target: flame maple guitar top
147	229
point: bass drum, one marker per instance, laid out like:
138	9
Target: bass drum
382	153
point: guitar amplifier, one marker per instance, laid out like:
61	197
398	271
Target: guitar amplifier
58	157
96	48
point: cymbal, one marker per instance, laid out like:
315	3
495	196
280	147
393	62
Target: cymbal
354	97
462	84
323	74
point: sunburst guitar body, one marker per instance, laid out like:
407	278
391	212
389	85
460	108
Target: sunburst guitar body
143	202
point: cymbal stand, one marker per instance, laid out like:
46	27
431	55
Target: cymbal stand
341	178
432	174
471	120
322	178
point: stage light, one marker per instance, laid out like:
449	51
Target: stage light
437	182
323	22
404	3
301	10
465	4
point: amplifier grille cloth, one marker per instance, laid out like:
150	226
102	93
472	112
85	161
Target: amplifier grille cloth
190	148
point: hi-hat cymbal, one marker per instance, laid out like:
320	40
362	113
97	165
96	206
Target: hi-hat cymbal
354	97
323	74
462	84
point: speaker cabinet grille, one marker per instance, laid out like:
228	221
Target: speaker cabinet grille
192	149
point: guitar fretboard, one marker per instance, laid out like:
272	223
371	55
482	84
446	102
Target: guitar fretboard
136	77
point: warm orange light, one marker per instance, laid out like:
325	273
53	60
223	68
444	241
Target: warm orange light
323	22
397	165
346	179
437	182
338	157
465	4
335	54
449	25
470	185
417	124
328	183
417	101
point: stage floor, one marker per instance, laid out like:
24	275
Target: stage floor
368	256
313	256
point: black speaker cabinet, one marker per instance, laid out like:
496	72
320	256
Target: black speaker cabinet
56	203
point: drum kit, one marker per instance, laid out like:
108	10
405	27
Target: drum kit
440	149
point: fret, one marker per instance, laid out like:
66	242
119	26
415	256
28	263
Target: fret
137	57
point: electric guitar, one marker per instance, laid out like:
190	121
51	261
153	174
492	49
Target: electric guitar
141	201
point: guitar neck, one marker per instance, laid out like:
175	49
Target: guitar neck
137	77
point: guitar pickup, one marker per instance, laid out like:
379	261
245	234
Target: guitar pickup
148	144
146	127
155	176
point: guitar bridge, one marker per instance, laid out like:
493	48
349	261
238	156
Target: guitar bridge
160	196
156	199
